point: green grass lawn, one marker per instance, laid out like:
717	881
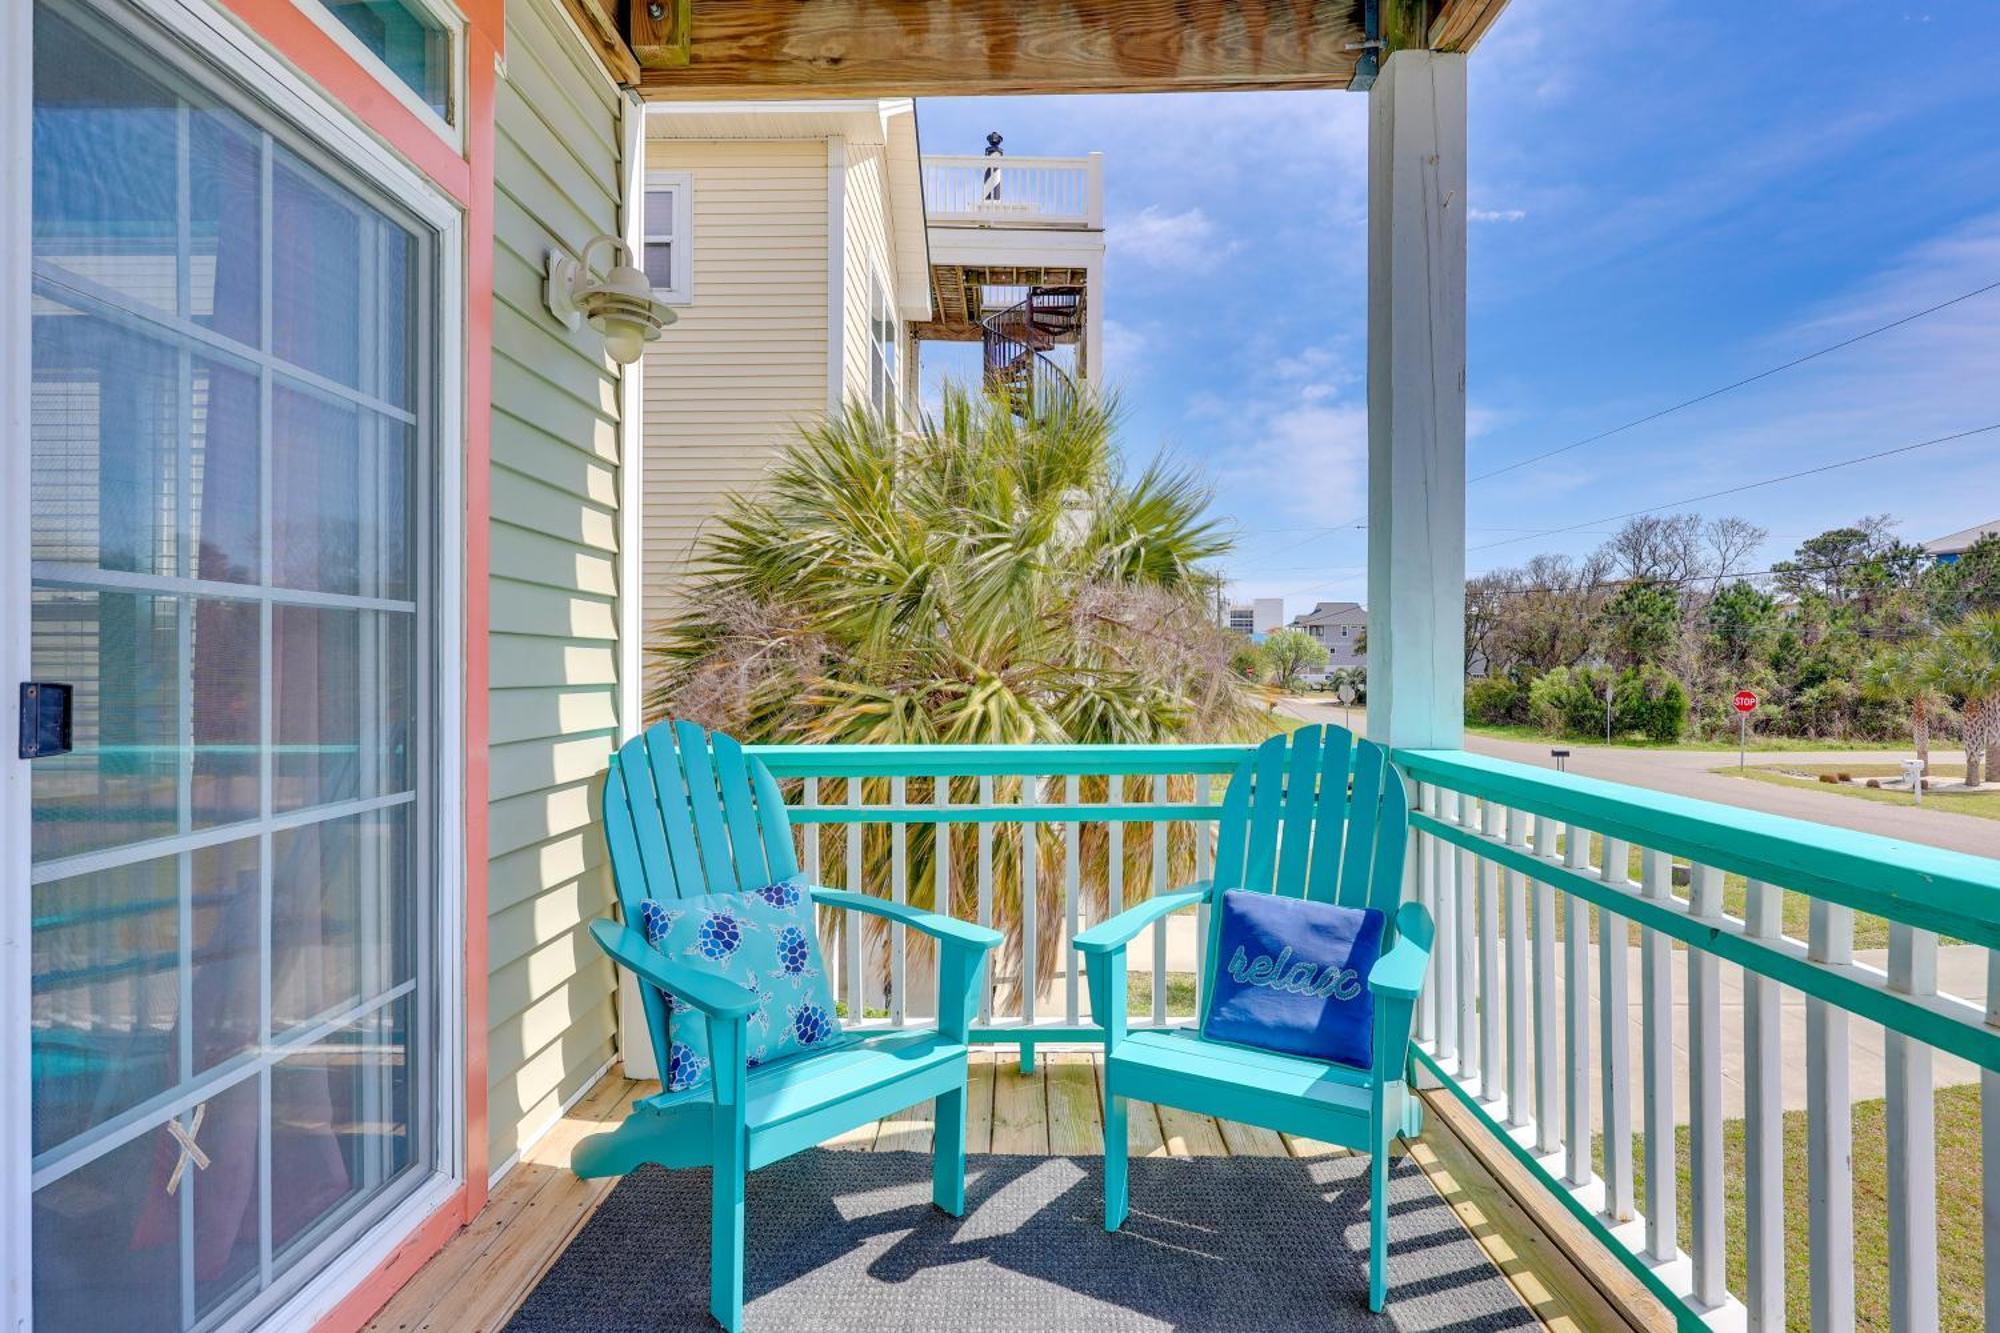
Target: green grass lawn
1634	741
1960	1227
1982	804
1139	994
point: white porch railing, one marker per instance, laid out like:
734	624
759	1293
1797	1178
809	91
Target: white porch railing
1531	878
1113	824
1518	864
1015	191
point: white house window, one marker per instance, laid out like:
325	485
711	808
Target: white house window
669	235
414	47
883	335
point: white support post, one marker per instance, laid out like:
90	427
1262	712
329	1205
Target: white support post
1416	401
1614	1013
1090	356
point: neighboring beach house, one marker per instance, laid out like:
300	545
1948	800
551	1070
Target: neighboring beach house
1342	627
809	250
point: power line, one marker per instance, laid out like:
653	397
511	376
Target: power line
1748	486
1729	388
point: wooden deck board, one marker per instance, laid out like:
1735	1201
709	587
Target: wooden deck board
1020	1108
477	1281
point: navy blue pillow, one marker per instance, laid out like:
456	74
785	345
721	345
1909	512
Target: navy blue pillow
1291	975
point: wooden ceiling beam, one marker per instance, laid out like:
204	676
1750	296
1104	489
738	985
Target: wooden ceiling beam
895	48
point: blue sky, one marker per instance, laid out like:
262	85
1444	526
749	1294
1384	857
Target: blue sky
1664	198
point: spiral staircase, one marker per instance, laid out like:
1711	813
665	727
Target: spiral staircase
1017	341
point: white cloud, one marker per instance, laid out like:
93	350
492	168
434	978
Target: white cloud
1187	242
1125	347
1496	214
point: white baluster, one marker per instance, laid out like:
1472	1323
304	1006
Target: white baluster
857	996
1160	887
1114	887
1615	1036
1417	867
1517	976
1576	1015
1468	952
1072	891
1830	1130
1548	1031
1764	1120
899	891
1491	1074
1912	1143
1204	870
941	849
986	893
1705	1167
1031	892
1656	1026
1444	963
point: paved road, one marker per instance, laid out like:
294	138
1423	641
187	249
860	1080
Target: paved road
1687	773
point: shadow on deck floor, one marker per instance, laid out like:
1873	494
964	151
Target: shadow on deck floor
477	1282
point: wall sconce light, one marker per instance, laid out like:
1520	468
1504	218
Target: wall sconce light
619	305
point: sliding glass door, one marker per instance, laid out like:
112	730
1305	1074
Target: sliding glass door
233	900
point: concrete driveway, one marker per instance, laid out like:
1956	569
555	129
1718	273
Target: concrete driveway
1687	773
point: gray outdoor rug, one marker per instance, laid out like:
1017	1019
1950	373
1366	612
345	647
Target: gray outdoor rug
848	1242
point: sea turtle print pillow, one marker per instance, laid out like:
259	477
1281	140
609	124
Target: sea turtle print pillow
763	940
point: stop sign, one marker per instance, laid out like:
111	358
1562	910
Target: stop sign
1745	701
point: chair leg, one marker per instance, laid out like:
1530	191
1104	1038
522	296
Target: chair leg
948	1154
725	1265
1117	1150
1378	1226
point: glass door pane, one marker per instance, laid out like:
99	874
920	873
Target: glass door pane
231	1005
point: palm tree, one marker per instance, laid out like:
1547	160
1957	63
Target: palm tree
1902	675
1965	665
979	579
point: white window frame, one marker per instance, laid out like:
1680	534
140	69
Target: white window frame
880	290
450	127
360	1244
680	233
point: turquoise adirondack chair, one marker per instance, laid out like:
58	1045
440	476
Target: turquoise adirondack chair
1282	827
687	813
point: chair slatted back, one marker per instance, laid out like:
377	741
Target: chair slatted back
1314	814
686	812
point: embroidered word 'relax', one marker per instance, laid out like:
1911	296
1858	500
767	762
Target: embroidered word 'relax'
1300	978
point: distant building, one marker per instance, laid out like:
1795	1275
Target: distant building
1338	625
1947	550
1253	619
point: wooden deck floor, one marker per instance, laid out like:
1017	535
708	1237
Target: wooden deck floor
484	1274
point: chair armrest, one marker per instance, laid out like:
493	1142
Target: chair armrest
1115	934
1399	973
944	929
718	997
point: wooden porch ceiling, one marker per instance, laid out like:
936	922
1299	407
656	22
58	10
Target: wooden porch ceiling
743	49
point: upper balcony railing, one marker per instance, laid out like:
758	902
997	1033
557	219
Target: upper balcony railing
1015	191
1575	919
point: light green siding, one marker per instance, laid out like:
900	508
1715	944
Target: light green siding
553	703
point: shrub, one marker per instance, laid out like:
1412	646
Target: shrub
1652	702
1568	702
1495	701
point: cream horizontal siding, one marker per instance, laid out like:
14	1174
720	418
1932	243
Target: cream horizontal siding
553	714
746	365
